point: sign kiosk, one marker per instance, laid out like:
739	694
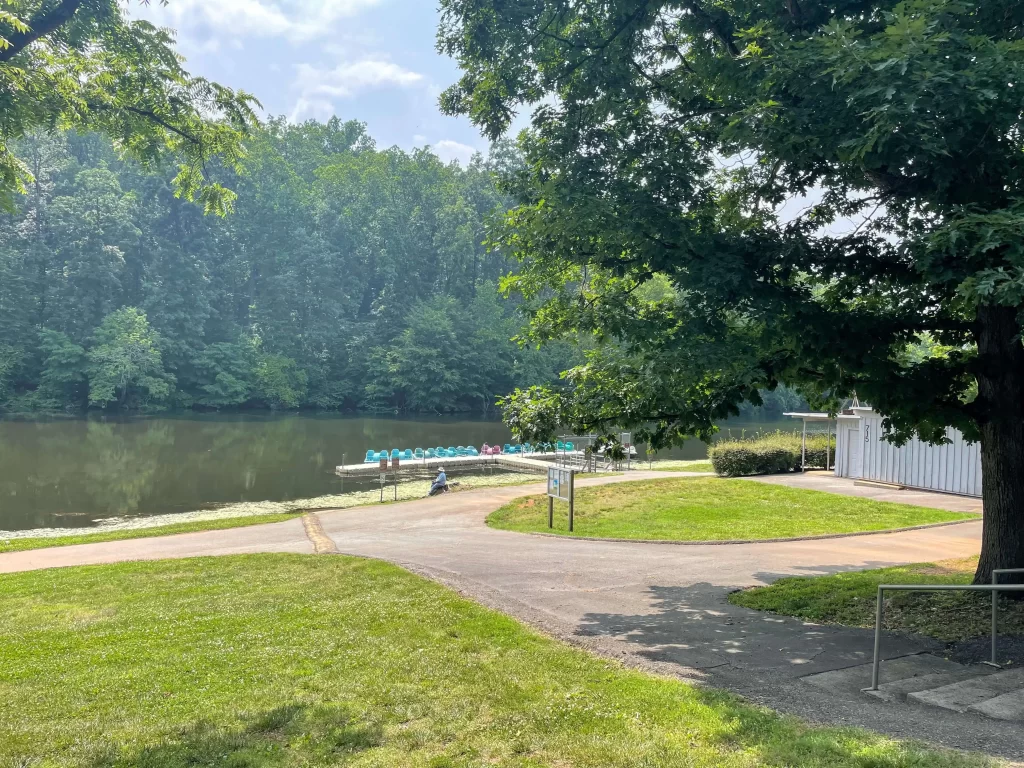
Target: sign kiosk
561	485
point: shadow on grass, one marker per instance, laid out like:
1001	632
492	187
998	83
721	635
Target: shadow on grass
329	735
318	733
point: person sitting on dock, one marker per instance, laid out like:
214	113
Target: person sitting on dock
440	482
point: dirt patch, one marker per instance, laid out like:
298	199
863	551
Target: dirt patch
963	565
1010	651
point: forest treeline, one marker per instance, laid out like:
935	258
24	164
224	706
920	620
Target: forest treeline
348	277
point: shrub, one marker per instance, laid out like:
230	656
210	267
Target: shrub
768	454
816	451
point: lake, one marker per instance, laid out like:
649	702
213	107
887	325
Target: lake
69	473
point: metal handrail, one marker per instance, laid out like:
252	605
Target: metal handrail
993	588
995	603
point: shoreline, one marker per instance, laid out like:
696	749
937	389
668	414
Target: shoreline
409	490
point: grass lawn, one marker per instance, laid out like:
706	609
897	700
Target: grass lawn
849	598
712	509
671	465
269	661
255	513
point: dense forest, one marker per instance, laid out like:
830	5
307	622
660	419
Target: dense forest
347	277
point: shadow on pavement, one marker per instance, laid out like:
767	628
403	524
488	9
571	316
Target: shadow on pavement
697	627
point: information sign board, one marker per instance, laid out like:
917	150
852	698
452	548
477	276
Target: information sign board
559	483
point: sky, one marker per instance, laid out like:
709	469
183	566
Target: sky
368	60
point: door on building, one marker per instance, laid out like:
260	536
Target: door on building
852	453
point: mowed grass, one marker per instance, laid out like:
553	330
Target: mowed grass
711	509
192	526
673	465
849	598
286	660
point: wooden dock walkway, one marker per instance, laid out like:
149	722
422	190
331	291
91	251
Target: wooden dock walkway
534	462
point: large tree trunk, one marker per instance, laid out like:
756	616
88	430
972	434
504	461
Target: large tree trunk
1001	396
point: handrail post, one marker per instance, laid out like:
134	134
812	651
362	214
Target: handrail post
995	614
878	640
995	605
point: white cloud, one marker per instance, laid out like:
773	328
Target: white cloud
354	77
311	109
449	150
297	20
318	88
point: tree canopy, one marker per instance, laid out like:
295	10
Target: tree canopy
347	277
83	64
819	187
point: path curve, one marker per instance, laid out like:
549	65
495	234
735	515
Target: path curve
660	608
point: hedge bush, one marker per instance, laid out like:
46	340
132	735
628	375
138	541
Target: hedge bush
768	454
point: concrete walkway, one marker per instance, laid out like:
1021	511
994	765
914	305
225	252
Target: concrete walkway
657	606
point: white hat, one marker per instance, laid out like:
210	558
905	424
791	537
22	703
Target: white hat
440	469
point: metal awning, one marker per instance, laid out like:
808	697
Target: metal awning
810	416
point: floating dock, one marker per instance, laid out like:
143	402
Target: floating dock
532	462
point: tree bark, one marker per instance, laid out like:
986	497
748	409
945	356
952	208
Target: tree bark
40	27
1001	398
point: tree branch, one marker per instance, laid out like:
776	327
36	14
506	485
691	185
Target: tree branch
713	26
37	28
158	120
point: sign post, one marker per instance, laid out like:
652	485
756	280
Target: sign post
383	477
572	497
561	485
395	464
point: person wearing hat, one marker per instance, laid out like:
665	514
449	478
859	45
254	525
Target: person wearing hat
440	482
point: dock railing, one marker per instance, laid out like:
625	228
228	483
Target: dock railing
994	588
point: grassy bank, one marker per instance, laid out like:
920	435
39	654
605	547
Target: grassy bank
255	513
712	509
849	598
272	661
18	545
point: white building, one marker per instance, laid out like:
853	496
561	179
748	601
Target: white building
863	454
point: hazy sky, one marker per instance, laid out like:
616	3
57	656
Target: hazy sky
371	60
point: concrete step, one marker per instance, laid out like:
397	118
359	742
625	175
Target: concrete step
910	687
1009	706
930	680
965	694
856	679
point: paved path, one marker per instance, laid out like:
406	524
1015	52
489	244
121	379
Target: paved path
660	606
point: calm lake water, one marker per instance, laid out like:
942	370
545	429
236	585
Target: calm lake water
69	473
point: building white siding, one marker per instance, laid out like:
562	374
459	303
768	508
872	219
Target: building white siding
954	467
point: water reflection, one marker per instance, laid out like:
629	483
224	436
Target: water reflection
69	473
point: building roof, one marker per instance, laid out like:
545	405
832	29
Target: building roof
811	416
